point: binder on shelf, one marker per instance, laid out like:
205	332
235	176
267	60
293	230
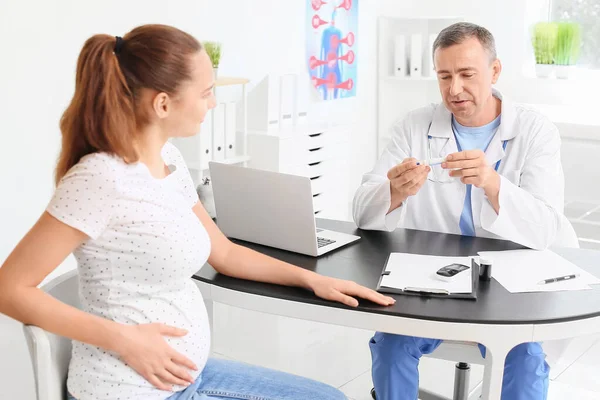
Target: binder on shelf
400	56
287	99
230	130
432	37
303	88
263	105
205	140
218	132
416	55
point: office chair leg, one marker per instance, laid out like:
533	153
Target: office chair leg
423	395
461	385
461	381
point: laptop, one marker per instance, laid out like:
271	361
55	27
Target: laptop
270	208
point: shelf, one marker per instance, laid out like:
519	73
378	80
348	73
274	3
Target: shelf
229	81
398	95
233	160
422	18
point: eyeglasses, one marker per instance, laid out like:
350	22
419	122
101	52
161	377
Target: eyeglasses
437	174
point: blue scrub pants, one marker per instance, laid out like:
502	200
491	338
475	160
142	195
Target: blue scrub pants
396	361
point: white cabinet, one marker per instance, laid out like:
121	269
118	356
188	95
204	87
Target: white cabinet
314	151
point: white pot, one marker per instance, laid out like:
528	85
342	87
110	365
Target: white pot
564	71
543	70
216	72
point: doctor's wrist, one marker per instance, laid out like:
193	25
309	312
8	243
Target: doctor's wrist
396	199
395	205
492	188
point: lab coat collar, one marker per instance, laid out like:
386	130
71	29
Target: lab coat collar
441	125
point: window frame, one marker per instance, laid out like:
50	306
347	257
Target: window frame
593	71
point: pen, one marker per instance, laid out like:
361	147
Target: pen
558	279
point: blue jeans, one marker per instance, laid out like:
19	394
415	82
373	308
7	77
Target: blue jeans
396	361
227	380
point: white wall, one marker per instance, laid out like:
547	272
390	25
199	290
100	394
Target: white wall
30	105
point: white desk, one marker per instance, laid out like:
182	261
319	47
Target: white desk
499	320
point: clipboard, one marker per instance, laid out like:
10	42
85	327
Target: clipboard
433	292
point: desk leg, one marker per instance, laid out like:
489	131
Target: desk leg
493	374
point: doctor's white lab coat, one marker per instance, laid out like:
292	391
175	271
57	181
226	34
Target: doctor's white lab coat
531	188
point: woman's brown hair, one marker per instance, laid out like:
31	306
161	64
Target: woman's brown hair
105	113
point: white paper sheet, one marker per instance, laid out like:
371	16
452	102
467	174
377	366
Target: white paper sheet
419	272
520	271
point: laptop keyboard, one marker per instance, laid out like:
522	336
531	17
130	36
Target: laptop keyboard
321	242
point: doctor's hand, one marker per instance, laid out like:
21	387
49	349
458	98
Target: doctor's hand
472	169
406	179
345	292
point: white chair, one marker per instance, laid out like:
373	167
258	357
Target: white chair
50	353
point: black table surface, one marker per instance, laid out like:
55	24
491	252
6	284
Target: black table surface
363	261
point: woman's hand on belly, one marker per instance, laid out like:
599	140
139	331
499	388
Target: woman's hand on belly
144	349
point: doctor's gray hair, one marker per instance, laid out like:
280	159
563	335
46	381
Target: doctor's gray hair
459	32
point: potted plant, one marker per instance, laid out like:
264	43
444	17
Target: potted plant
213	49
544	45
568	45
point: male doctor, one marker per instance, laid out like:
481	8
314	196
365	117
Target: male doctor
501	177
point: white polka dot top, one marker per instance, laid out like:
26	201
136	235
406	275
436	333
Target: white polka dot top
145	244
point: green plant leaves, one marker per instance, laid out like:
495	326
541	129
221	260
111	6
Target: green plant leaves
213	49
556	42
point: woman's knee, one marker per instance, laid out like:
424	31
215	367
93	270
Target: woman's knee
236	377
300	388
323	391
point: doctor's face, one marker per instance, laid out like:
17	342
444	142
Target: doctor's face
465	75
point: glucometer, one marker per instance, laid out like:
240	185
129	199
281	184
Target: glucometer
448	272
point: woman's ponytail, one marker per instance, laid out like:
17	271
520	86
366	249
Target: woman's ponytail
101	115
